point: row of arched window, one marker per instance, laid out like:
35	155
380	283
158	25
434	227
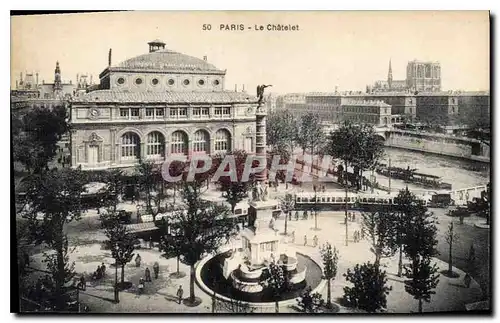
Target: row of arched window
155	143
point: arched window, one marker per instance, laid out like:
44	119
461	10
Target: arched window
179	143
130	146
200	141
155	144
222	140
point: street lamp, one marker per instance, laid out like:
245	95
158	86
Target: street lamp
116	291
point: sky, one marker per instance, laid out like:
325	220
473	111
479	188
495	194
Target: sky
331	49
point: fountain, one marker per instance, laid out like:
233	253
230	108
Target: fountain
238	273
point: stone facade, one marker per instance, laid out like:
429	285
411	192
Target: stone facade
127	120
376	113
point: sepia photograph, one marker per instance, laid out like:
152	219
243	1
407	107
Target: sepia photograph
251	162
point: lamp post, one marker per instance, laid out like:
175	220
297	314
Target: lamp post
116	291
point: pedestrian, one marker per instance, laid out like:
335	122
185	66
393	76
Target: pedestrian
103	269
138	260
305	240
353	216
315	241
314	188
151	244
141	285
356	236
362	234
156	269
467	280
296	215
180	292
147	274
290	215
83	283
472	253
304	216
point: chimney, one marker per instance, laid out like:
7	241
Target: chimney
37	78
205	58
109	57
21	77
236	88
17	84
243	87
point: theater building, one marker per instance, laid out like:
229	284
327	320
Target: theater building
159	104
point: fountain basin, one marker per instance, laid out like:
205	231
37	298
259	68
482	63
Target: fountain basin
247	274
210	279
248	286
291	264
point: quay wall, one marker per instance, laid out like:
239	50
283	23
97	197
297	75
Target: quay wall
438	146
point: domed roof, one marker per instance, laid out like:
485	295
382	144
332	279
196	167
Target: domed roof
167	60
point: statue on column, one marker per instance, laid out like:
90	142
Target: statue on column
260	92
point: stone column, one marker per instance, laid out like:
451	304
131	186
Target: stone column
113	145
74	149
260	140
190	148
143	151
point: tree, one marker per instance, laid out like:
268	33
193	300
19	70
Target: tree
151	184
404	202
380	229
354	145
176	168
37	135
114	179
201	229
234	190
274	278
309	302
281	131
171	245
287	204
330	260
419	246
55	195
420	237
369	291
423	279
120	240
372	149
450	237
310	134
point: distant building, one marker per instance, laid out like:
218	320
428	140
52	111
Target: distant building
376	113
453	108
420	77
30	93
389	85
270	102
423	76
58	89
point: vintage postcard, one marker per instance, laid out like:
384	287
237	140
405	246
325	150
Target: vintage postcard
329	162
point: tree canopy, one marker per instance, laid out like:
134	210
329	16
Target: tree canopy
35	136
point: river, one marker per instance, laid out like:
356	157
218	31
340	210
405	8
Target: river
460	173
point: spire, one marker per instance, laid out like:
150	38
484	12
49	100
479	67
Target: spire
389	75
57	77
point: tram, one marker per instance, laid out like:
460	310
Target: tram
336	201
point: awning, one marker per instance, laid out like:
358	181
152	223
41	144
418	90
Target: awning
141	227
